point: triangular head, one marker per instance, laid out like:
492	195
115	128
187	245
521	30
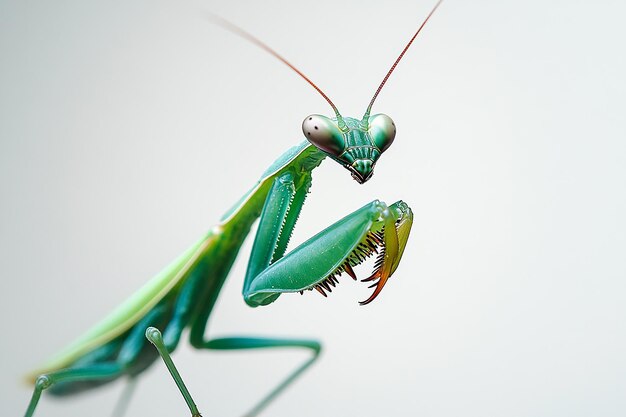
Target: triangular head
355	144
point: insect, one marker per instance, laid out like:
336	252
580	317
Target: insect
183	295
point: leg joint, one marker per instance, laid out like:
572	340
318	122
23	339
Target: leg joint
43	382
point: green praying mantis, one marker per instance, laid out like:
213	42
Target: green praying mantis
183	295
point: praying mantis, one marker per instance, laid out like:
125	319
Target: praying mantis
150	323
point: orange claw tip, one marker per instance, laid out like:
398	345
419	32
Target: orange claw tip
379	286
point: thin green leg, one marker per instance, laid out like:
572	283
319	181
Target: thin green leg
154	336
97	367
88	372
238	343
124	400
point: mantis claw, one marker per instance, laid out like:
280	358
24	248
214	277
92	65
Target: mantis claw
374	230
394	237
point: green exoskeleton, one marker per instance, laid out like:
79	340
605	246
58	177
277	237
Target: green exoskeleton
182	296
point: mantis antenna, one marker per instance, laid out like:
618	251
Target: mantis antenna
242	33
393	67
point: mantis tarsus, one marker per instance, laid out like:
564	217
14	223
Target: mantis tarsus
183	294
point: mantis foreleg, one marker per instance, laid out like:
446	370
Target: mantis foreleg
374	229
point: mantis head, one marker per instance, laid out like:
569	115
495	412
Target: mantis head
355	144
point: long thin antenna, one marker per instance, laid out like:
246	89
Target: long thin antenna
393	67
242	33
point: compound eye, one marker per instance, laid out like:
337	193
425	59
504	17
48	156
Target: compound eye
382	131
324	134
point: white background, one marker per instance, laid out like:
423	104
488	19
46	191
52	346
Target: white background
128	128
